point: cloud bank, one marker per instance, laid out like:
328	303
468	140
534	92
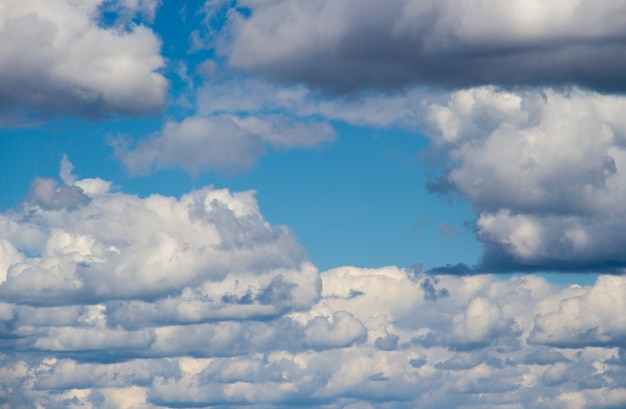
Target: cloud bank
346	46
112	300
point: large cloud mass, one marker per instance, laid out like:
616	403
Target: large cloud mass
543	168
349	45
57	58
111	300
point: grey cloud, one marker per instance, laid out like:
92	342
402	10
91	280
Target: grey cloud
48	195
431	292
452	269
346	46
224	142
544	357
60	61
461	361
73	339
418	362
387	343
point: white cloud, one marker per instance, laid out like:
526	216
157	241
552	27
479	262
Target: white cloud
591	318
544	170
57	59
120	246
343	331
480	323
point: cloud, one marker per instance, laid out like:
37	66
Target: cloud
197	301
587	319
48	195
542	168
223	142
251	95
57	59
116	246
234	123
348	46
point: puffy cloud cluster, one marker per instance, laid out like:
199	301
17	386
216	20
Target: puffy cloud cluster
56	58
112	300
543	168
350	45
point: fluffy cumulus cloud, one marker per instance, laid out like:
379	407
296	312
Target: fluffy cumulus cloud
349	45
543	168
56	58
112	300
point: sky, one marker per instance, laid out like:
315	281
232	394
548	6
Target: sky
326	203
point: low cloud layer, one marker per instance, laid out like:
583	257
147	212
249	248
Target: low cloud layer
346	46
111	300
56	58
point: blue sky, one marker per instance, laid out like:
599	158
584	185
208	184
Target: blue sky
338	204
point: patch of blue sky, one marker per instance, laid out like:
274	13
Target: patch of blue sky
358	201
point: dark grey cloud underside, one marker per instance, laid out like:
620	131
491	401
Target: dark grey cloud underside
497	259
387	64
